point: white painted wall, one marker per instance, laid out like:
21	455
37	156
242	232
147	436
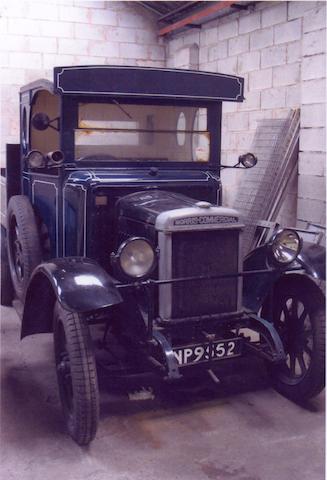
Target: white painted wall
280	50
35	36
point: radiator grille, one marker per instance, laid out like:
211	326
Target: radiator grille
212	252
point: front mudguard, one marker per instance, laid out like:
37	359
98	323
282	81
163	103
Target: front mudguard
79	284
313	259
256	288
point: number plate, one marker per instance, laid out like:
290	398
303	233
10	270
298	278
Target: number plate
204	352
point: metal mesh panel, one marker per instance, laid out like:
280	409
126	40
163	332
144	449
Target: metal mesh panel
263	188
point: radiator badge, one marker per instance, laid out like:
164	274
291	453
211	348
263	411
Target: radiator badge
205	220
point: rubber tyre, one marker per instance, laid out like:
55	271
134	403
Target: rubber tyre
77	375
7	291
22	231
313	381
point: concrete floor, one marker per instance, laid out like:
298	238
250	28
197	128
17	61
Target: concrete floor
236	433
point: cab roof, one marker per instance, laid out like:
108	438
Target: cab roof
164	83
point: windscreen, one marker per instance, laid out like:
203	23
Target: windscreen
130	132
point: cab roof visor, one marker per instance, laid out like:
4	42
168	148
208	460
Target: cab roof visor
164	83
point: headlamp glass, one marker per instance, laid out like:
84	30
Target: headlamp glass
136	257
286	246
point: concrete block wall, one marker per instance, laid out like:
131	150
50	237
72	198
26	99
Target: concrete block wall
37	35
280	50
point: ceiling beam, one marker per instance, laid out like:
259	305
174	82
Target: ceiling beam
176	10
200	15
149	7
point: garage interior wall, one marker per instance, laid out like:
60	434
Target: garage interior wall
279	47
36	36
280	50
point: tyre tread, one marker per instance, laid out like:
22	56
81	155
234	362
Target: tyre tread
84	377
20	207
314	381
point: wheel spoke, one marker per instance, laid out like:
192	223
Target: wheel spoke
292	363
307	333
307	350
286	312
294	308
303	316
301	363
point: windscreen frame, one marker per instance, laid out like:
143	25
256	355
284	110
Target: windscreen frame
70	123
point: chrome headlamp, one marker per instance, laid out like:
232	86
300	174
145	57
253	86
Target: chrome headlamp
135	257
285	246
35	159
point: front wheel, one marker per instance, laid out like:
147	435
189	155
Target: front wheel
76	373
298	314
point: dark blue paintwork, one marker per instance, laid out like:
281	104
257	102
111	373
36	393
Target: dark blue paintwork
256	287
79	284
77	202
312	259
77	225
66	201
113	80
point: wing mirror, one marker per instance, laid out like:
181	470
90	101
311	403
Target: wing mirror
248	160
41	121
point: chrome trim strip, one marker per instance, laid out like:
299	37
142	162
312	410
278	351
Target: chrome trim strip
165	273
166	221
131	169
130	181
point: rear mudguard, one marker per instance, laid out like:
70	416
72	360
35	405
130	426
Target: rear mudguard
257	287
79	284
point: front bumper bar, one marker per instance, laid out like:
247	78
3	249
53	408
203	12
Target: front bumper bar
269	346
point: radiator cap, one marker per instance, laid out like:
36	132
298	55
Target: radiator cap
203	204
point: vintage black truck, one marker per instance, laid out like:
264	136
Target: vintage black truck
114	220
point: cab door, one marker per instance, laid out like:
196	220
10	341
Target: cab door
42	185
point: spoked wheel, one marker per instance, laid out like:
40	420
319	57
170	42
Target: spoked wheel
299	317
24	251
76	373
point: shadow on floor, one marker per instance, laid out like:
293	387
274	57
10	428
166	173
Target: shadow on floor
30	403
